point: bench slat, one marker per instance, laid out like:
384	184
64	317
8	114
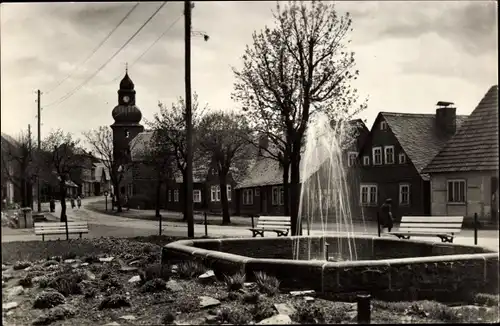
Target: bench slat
59	224
431	225
274	218
62	232
423	234
52	229
430	231
433	219
274	223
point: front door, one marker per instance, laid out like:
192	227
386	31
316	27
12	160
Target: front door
494	199
97	189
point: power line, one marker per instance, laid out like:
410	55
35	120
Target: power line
95	49
68	95
149	48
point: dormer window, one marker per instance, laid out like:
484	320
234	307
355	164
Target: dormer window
383	125
351	158
402	158
366	160
127	133
389	154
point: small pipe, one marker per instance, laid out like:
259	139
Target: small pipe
475	228
326	251
364	307
206	227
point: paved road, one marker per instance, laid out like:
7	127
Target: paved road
115	226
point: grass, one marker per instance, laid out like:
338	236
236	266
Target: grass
86	300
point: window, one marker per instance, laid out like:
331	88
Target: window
404	194
366	160
278	195
456	191
389	154
169	195
257	192
247	197
402	158
377	155
130	189
215	193
228	190
368	195
197	196
351	158
176	195
383	125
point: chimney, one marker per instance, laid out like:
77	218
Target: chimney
263	143
446	117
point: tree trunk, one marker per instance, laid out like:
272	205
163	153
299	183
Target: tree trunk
158	199
226	219
118	201
286	188
185	194
62	198
23	193
295	191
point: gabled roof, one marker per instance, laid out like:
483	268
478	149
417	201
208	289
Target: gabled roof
418	134
475	146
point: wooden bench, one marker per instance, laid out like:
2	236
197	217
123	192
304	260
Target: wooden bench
53	228
444	227
279	224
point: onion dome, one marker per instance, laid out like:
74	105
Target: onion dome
126	83
126	114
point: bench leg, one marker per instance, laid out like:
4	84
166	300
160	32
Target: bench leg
447	239
80	235
43	237
405	237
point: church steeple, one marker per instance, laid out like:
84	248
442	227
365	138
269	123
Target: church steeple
126	112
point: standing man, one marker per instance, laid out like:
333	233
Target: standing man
386	215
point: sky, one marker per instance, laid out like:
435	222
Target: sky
410	55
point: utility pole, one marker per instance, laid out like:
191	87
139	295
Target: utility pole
189	120
39	117
28	183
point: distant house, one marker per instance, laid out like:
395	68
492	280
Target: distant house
392	159
96	179
464	175
11	193
261	192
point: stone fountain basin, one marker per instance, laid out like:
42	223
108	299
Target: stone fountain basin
390	269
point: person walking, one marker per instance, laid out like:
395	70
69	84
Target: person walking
52	205
386	215
78	202
72	201
127	202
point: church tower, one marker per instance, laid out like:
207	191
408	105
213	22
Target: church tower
127	118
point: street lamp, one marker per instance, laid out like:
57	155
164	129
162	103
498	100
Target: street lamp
197	33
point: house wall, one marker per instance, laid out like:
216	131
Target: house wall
388	177
212	179
478	194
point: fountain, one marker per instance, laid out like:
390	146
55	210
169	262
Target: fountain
325	191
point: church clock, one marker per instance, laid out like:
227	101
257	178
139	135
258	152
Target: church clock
126	99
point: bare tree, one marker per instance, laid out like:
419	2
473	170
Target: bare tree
222	137
62	155
170	124
294	70
101	143
19	166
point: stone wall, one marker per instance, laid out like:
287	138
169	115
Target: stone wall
400	269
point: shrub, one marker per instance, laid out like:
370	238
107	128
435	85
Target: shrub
309	314
54	314
262	311
69	255
114	301
141	201
267	284
251	297
21	265
50	262
168	318
26	282
110	284
90	293
67	284
48	299
235	316
155	271
44	282
235	282
187	304
152	286
491	300
91	259
190	269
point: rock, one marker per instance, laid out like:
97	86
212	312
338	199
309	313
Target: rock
89	275
134	279
75	265
284	309
114	323
53	267
15	291
308	299
128	317
10	312
302	293
206	302
276	320
250	285
69	261
128	269
27	269
174	286
106	259
135	262
207	277
211	320
9	305
7	277
4	267
85	264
